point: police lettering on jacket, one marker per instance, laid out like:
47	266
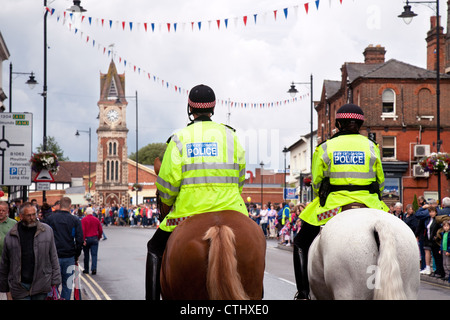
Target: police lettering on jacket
349	158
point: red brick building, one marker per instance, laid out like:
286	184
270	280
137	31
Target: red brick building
399	102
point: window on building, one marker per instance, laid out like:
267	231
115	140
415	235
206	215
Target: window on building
388	148
388	98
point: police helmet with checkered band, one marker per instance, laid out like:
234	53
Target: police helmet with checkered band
201	100
347	114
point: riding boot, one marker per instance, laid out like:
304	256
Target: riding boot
301	274
152	282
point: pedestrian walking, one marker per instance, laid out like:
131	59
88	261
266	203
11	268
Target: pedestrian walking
69	242
6	223
92	233
29	266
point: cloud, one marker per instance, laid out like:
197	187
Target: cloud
252	63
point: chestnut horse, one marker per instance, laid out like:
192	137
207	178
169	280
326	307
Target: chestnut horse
214	256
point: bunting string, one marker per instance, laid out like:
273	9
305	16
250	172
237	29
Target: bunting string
66	19
154	26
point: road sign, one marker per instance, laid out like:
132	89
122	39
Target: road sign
16	131
290	194
44	176
42	186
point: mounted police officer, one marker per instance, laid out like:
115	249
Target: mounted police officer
203	170
347	173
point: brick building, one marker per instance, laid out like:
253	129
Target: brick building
399	102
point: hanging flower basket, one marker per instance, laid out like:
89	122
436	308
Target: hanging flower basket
307	181
136	187
44	160
436	163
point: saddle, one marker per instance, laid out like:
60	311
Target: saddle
353	205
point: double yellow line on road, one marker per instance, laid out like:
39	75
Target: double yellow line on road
92	289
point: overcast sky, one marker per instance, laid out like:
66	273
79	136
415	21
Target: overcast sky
245	63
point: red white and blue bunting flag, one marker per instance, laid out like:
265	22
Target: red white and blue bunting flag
111	53
155	26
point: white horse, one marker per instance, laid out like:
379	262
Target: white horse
364	254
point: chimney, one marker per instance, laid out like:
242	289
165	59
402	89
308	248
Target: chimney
431	46
447	41
374	54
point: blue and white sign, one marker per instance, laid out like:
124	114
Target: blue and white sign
349	158
202	149
15	148
290	194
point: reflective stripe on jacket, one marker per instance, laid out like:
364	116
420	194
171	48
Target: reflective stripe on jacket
350	159
203	170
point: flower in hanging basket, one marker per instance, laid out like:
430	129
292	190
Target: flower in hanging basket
436	163
44	160
136	187
307	180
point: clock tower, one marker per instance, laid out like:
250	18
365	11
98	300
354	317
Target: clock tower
112	166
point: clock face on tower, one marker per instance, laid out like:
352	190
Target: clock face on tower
112	115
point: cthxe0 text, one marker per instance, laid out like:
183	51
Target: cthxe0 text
229	309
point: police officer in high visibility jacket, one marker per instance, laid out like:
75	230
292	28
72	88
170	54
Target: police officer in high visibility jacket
347	173
203	170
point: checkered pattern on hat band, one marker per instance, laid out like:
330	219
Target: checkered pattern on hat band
201	105
350	115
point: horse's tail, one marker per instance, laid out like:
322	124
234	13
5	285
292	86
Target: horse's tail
223	280
388	280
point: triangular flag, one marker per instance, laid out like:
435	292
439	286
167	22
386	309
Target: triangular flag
131	26
285	12
306	7
199	25
168	27
175	27
317	4
145	26
226	23
275	14
218	24
123	25
254	16
245	20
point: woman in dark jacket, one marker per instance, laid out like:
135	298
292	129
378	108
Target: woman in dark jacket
428	227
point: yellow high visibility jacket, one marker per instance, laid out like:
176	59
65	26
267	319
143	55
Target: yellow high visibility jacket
348	159
203	170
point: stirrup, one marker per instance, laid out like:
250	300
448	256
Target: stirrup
302	296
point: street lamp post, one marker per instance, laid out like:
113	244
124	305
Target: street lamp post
407	16
31	82
137	136
78	134
285	150
262	183
75	8
293	91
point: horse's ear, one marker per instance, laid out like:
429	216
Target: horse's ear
157	165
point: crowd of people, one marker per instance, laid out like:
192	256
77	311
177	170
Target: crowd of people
281	221
75	228
430	224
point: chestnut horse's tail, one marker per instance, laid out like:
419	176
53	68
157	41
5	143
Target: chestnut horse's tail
223	280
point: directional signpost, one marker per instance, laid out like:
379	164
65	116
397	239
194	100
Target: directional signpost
16	132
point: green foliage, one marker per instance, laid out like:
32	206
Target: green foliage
415	203
53	146
149	153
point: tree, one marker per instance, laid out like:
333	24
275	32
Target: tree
148	154
53	146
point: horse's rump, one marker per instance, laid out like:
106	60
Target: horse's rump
364	254
228	239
